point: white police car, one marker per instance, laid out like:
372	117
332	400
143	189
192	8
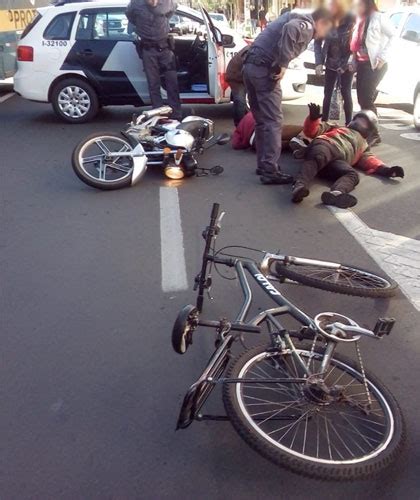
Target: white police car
402	80
80	55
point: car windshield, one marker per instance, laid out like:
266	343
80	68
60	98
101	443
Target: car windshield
217	17
411	30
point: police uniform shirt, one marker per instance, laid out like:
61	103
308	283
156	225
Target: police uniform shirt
151	23
285	38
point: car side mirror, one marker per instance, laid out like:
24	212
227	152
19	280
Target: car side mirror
223	139
411	36
227	41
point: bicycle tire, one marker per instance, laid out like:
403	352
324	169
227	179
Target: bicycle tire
310	468
386	287
90	180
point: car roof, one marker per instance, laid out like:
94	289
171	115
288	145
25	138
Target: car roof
76	6
405	9
72	6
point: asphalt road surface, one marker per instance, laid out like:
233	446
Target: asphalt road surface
89	385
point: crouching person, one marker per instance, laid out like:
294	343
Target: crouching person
244	135
333	154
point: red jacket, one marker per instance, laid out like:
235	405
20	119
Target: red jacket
241	138
352	146
243	135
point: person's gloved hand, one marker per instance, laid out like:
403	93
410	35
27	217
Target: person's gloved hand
397	171
314	111
391	172
319	69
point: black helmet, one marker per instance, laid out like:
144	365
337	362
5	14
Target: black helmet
370	118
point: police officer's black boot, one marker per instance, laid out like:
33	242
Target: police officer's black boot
299	192
276	178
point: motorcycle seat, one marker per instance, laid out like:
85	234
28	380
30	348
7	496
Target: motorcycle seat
197	128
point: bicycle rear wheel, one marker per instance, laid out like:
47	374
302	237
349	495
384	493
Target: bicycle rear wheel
342	279
346	435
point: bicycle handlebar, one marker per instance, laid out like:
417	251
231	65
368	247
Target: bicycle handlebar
214	213
208	234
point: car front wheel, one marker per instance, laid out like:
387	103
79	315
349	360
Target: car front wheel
74	100
416	111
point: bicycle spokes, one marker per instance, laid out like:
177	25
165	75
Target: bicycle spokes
330	418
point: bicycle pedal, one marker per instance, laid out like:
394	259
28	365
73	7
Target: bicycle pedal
383	326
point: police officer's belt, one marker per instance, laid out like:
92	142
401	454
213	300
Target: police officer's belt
258	58
148	45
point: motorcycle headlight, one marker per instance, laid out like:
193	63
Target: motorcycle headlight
174	172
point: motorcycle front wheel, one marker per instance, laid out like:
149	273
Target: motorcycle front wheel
93	165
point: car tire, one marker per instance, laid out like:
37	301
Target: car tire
79	96
416	110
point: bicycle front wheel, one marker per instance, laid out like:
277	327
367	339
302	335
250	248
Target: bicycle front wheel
345	433
338	278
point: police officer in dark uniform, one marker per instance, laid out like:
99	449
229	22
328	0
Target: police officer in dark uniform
265	65
151	21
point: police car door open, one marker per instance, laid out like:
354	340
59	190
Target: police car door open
215	58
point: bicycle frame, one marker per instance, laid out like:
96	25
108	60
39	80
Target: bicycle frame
212	374
311	329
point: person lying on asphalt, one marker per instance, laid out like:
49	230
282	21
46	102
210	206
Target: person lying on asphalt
335	152
244	134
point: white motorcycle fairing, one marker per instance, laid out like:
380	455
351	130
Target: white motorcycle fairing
179	139
139	164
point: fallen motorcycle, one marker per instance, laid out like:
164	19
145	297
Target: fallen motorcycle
108	161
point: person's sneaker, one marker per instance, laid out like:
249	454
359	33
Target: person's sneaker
299	192
338	199
276	178
298	147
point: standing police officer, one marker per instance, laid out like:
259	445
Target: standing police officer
265	65
151	21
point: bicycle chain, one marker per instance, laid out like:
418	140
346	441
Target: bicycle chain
312	350
362	369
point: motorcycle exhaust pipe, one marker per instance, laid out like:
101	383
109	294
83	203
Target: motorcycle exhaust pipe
163	110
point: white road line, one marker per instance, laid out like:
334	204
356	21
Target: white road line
397	255
400	121
174	274
397	126
6	96
414	136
